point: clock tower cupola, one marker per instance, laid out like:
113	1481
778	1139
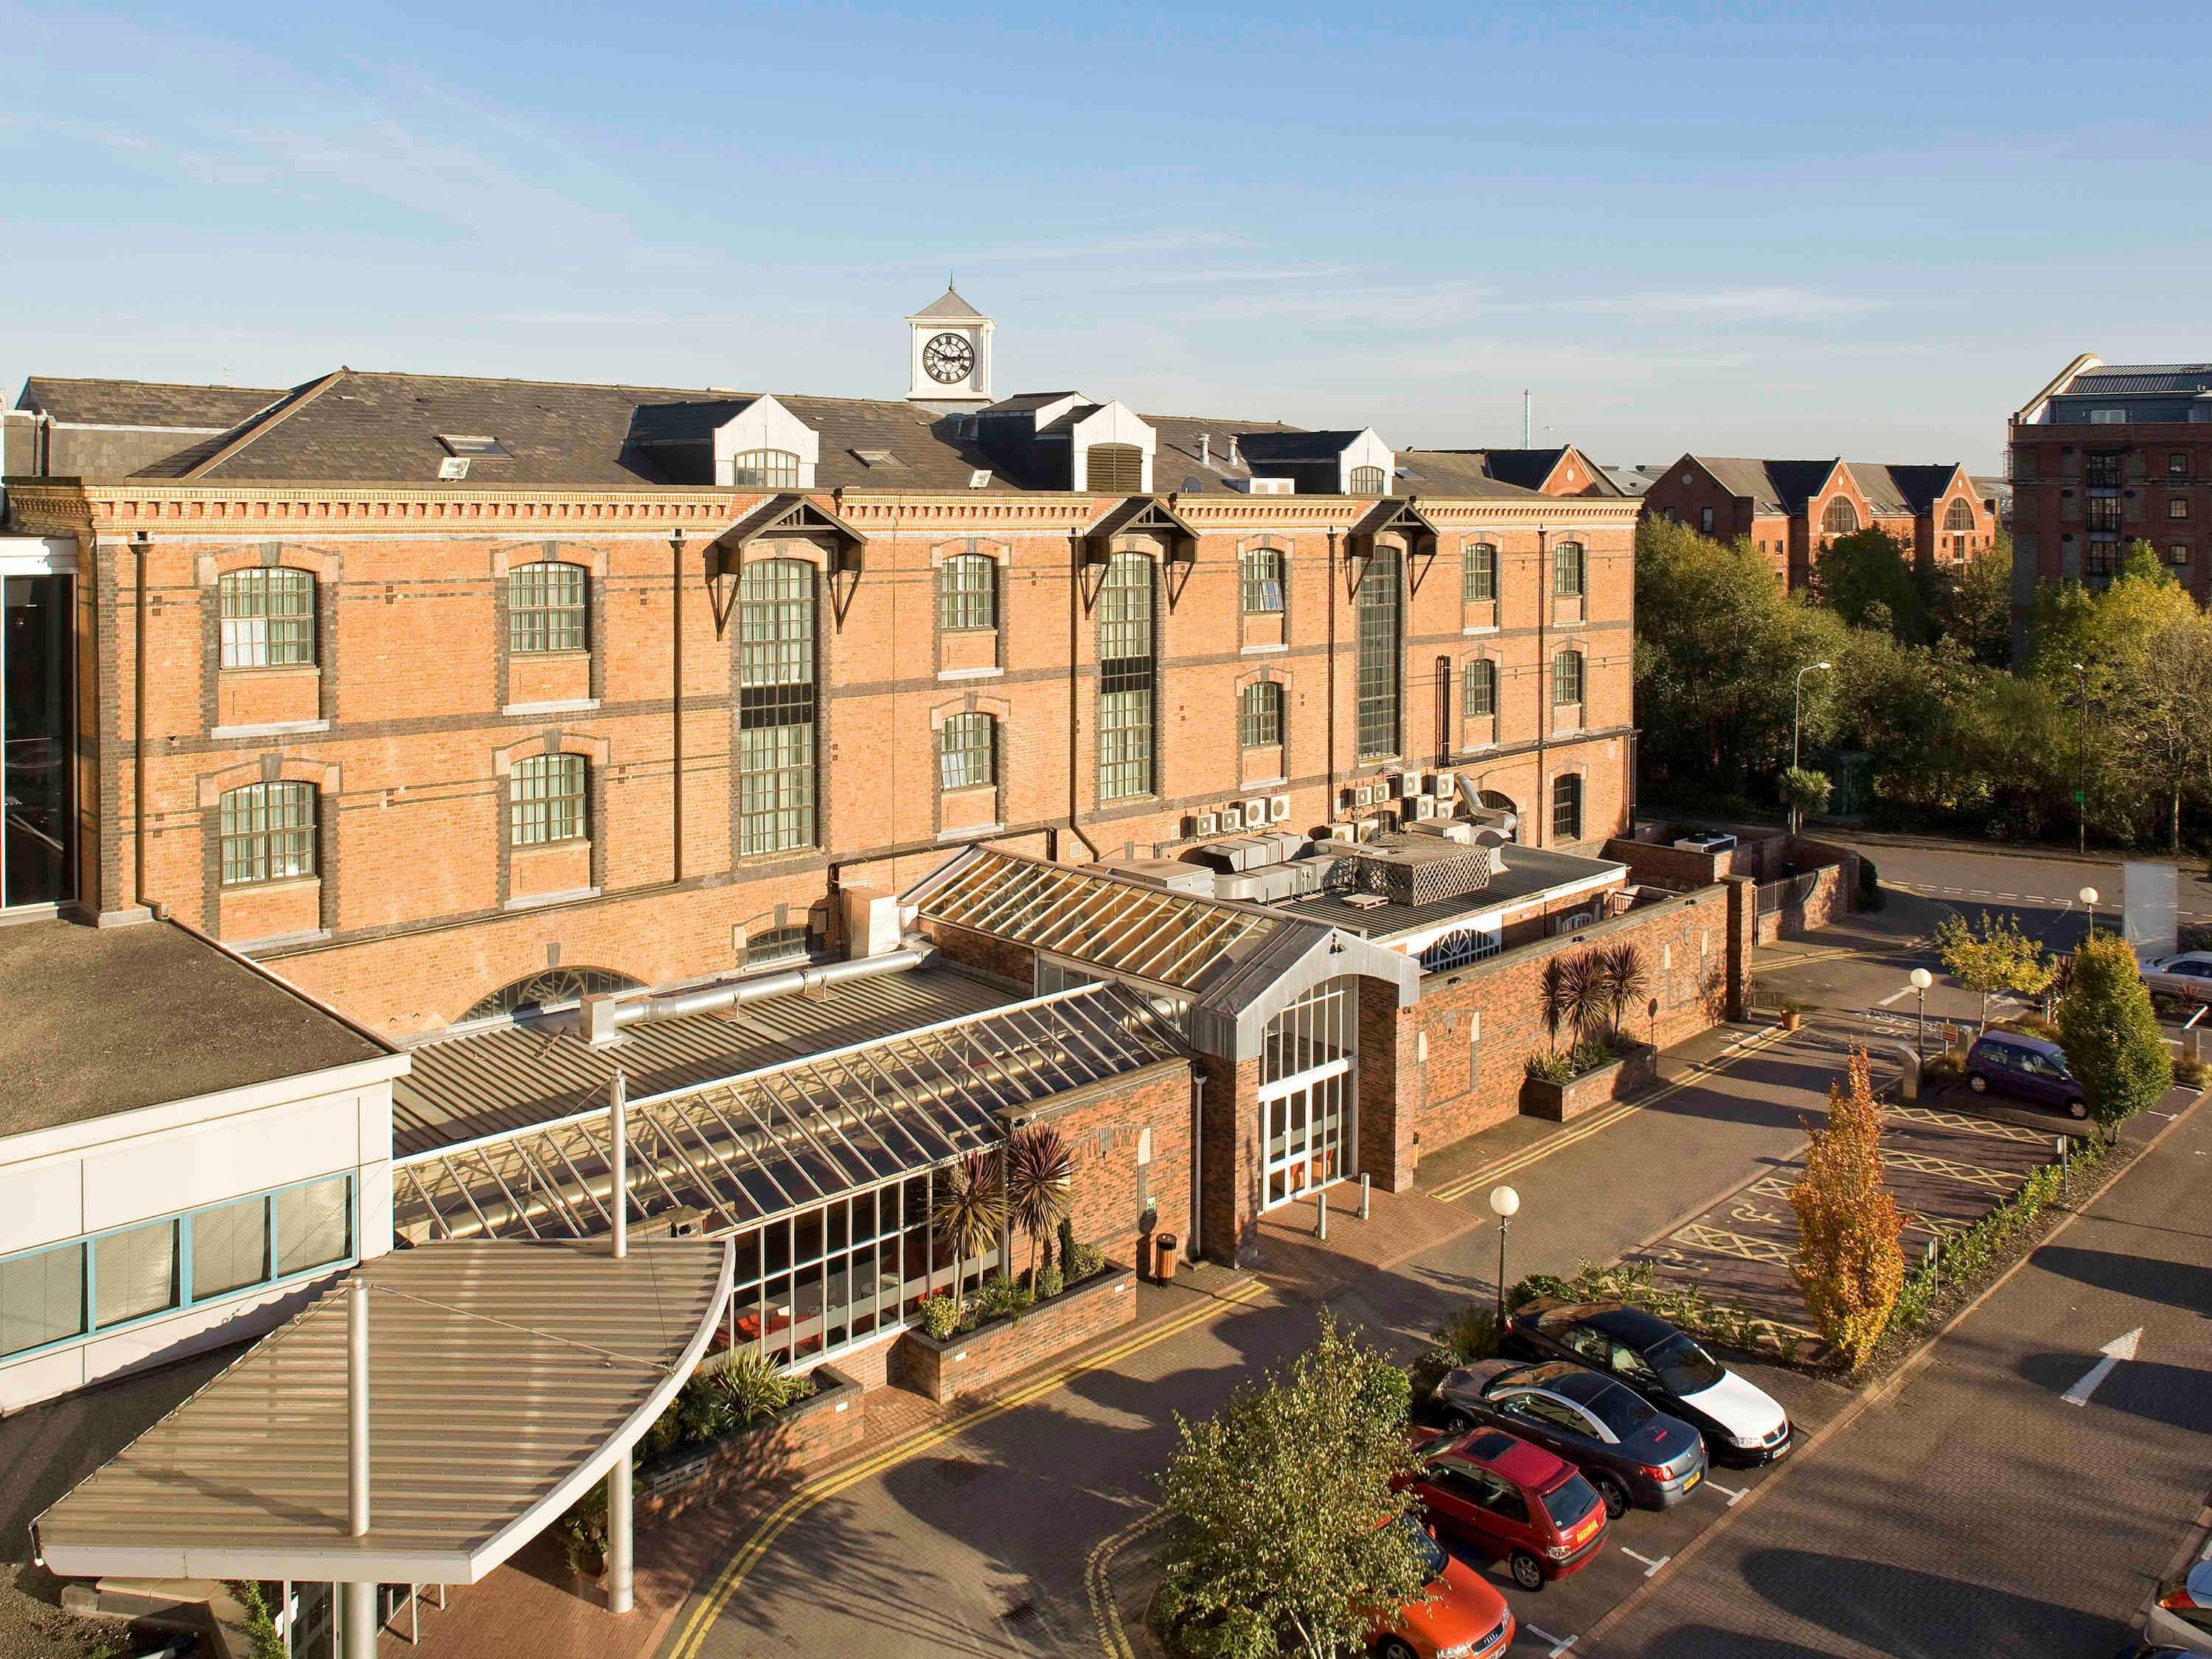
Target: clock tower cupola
949	355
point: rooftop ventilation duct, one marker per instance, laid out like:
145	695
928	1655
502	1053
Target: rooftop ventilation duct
601	1017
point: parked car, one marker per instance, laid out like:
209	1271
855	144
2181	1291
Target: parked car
2180	1613
2012	1063
1628	1449
2188	976
1463	1617
1512	1501
1741	1424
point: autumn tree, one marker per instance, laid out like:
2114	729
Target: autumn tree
1848	1263
2110	1036
1869	579
1992	956
1280	1506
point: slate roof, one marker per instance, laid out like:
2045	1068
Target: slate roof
1771	486
1287	444
1459	473
1525	469
2110	380
144	402
1175	468
1919	487
949	307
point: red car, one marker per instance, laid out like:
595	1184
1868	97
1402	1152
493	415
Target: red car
1511	1500
1459	1616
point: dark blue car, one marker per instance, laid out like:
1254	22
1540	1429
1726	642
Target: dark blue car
2012	1063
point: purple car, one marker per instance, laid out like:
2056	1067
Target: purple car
2027	1066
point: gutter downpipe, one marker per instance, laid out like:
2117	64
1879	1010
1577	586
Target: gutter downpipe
1538	807
139	546
1192	1248
676	703
1330	770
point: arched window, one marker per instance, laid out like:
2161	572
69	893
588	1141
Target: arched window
1567	679
775	945
545	608
1841	518
968	592
1478	574
546	800
557	987
1127	675
1376	721
268	619
267	833
1569	570
1961	515
765	469
776	706
968	751
1259	572
1114	469
1260	714
1567	806
1367	480
1479	690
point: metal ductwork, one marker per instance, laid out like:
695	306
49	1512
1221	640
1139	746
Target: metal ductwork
602	1017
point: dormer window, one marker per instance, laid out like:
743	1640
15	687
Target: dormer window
765	469
1367	480
1114	470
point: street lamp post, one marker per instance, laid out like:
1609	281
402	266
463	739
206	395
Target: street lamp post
1505	1204
2081	767
1796	720
1921	979
2089	902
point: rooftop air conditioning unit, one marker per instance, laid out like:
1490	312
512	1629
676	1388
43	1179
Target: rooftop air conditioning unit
1279	808
1344	832
1409	784
1424	807
1256	812
1233	817
1442	784
1370	794
1204	826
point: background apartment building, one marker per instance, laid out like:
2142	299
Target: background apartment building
450	697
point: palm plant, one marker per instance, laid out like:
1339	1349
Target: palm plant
970	1208
1040	1176
1554	1000
1621	967
1582	993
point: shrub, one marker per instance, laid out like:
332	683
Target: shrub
1470	1335
1048	1282
1848	1263
997	1298
939	1315
260	1628
1066	1249
2189	1070
1946	1067
1090	1261
1551	1068
1871	897
754	1389
2111	1038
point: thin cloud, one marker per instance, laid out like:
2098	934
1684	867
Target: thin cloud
1735	305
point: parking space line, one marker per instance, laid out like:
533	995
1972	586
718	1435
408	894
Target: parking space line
1735	1493
1902	990
1560	1644
1650	1566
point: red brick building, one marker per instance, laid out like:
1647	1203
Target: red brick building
2105	454
1788	510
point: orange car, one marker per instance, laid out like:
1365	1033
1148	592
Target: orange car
1463	1617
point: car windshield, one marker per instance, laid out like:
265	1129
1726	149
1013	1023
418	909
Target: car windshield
1427	1551
1569	1501
1684	1367
1619	1411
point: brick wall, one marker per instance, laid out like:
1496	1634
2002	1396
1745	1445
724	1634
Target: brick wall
1118	1201
978	1359
2049	489
786	1448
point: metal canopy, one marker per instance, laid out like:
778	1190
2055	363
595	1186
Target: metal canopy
746	1149
1167	938
1399	514
1140	512
783	514
504	1380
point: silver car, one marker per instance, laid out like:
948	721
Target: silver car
2188	975
2181	1611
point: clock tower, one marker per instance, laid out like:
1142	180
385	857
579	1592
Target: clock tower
949	355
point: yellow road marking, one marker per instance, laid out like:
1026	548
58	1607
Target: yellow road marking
1452	1190
1240	1294
1105	1612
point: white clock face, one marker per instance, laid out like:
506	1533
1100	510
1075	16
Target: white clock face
949	358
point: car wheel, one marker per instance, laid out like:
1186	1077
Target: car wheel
1977	1083
1392	1648
1458	1422
1614	1494
1527	1571
2077	1108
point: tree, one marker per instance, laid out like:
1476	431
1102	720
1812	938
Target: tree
1625	977
1973	605
1870	569
2112	1043
1039	1174
1805	791
1848	1263
971	1209
2162	706
1280	1505
1992	956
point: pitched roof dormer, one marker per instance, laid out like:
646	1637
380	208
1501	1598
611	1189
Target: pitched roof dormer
765	445
1323	463
1065	441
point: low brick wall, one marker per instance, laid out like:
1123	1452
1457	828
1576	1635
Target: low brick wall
1563	1102
796	1441
975	1359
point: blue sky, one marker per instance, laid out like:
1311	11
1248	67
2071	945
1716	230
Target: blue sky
1780	230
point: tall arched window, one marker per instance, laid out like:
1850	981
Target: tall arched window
968	751
1114	469
968	592
765	469
1128	667
1260	578
546	800
776	706
1479	690
1841	518
1567	679
1367	480
268	619
1379	652
1569	570
1567	806
1260	714
1960	516
267	833
545	608
1478	574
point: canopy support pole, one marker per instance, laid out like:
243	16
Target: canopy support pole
357	1620
621	1569
619	1116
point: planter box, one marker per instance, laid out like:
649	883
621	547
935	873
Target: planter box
971	1360
801	1437
1563	1102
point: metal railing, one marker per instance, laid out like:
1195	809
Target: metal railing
1781	895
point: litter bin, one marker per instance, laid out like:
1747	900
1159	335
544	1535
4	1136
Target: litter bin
1164	1256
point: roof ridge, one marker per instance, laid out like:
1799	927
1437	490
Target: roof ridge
264	421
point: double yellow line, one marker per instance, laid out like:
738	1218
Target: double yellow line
806	1497
1460	1187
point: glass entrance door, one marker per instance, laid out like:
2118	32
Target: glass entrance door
1308	1090
38	816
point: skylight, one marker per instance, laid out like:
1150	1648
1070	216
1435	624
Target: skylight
475	444
879	458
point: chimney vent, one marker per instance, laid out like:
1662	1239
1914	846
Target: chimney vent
1206	449
1235	453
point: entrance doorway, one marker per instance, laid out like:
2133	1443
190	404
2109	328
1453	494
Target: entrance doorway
1309	1091
37	772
